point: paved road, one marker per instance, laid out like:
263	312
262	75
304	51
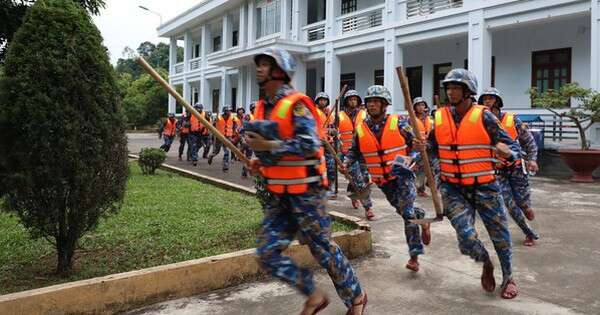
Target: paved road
560	275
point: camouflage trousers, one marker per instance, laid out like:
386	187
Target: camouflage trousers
460	205
168	141
509	193
217	148
519	183
401	194
330	163
360	176
288	215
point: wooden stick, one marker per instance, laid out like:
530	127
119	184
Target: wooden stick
142	62
337	99
437	203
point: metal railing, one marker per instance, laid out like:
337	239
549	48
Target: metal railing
362	20
426	7
315	32
556	128
179	68
195	63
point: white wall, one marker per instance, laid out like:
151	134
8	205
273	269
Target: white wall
513	49
427	54
364	66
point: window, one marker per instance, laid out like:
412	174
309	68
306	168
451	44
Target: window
195	97
551	69
196	50
234	38
315	11
268	17
493	70
378	77
217	43
348	6
215	100
348	79
439	72
234	98
415	81
311	82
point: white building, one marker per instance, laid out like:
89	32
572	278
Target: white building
511	44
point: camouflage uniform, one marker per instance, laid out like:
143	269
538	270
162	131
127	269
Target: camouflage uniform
287	215
329	158
217	148
184	122
514	180
461	203
400	192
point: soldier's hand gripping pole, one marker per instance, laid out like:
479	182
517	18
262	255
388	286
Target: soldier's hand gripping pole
358	194
142	62
437	203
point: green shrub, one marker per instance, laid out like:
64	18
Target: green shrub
151	159
63	150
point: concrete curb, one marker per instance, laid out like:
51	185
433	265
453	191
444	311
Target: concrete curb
125	291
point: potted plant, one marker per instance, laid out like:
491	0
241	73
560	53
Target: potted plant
584	160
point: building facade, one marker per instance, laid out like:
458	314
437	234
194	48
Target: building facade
510	44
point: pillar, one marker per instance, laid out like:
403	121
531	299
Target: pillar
480	50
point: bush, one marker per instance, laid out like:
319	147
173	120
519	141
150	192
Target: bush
151	159
63	150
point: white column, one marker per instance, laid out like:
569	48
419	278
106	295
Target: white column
332	71
285	19
187	50
390	15
240	88
480	50
595	50
298	18
172	102
249	85
172	55
226	32
299	80
251	21
187	91
243	25
393	57
225	93
204	44
204	92
332	8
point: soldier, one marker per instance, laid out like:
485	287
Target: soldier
379	142
227	125
245	148
183	125
322	101
197	130
425	125
169	131
206	137
296	183
349	118
513	177
465	137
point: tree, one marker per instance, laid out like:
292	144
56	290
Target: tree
145	101
12	12
63	150
584	116
156	55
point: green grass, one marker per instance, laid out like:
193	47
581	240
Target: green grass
165	219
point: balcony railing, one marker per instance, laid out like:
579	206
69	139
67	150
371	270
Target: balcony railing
426	7
195	63
361	20
315	31
179	68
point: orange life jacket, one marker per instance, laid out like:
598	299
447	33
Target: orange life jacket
225	127
321	116
170	128
508	123
425	128
251	117
195	125
346	128
466	154
380	154
292	174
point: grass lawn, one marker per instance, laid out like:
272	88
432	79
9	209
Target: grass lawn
165	219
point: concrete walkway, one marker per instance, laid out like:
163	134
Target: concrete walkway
560	275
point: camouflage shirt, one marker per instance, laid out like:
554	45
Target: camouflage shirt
525	138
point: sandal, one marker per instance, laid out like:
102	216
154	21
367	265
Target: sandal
487	278
529	241
318	307
355	203
413	264
510	290
369	214
363	302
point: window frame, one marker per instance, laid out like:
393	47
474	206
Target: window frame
552	65
437	88
379	74
412	87
349	79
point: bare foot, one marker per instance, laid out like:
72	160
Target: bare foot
510	290
315	303
487	277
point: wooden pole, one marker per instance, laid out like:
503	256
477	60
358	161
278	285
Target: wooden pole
142	62
437	203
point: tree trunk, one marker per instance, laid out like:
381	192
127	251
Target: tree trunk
65	245
584	143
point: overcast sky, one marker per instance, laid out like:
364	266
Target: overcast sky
122	23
